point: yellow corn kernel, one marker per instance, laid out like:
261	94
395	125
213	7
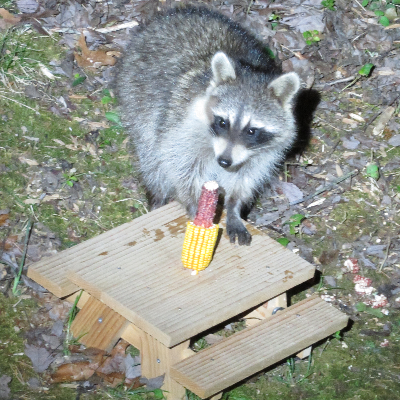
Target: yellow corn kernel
198	246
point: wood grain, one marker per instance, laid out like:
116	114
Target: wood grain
255	348
136	270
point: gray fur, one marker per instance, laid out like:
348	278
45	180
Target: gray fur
180	71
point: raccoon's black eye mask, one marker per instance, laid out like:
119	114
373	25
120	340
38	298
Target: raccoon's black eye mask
256	137
220	125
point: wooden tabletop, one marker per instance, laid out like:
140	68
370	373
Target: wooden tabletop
136	270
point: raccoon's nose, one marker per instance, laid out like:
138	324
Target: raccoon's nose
224	162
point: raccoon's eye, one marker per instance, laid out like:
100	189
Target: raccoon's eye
221	122
252	131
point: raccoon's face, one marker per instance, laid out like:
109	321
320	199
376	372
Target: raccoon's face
236	139
248	112
245	121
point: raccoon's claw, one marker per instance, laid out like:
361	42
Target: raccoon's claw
238	229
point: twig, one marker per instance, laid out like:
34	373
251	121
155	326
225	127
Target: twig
350	78
356	79
326	188
386	255
21	266
114	28
379	113
21	104
360	5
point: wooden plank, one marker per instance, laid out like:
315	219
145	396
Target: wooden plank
255	348
50	272
147	284
157	360
98	326
266	309
82	300
136	270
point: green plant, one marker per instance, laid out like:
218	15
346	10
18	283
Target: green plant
274	19
70	179
385	11
17	277
294	222
293	375
283	241
69	339
362	307
311	37
120	392
107	98
365	71
372	170
113	117
200	344
78	80
329	4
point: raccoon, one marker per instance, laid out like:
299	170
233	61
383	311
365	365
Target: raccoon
203	100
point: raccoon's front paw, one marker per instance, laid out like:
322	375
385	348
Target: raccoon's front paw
237	229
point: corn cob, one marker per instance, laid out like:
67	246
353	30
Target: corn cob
201	234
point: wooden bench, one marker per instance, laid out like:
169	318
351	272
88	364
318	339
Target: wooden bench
258	347
136	288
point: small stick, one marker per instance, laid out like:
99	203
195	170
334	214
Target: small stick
386	255
324	189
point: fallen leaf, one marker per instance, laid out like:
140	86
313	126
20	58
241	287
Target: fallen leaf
7	20
4	389
27	6
31	201
380	123
52	197
114	378
4	218
348	121
28	161
394	141
79	371
316	203
46	72
92	59
349	154
291	191
339	171
10	241
356	117
153	383
212	338
40	357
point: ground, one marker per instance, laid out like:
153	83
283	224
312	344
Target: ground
67	173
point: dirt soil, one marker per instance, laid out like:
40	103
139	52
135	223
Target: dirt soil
67	173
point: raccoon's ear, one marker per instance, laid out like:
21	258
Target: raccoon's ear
285	87
222	68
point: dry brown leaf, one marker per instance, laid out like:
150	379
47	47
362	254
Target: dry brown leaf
4	218
339	171
92	59
114	379
10	241
7	20
28	161
348	121
52	197
31	201
78	371
77	97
